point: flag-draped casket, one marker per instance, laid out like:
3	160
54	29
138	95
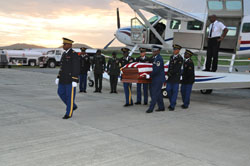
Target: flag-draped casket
134	72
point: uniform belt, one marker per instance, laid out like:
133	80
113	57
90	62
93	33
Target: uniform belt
214	37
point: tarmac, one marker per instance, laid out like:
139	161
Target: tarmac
214	131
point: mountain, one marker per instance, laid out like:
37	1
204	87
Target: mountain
20	46
79	45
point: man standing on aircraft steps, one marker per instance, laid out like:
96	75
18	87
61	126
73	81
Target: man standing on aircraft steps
217	32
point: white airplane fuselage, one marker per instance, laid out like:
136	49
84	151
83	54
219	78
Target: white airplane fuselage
237	40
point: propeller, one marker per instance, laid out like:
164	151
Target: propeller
118	18
118	27
109	44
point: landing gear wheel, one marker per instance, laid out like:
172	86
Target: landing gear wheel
164	93
206	91
91	83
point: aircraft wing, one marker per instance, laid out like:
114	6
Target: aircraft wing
161	9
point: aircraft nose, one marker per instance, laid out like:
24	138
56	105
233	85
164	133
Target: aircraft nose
124	35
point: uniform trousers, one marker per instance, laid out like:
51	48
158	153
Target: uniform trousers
186	90
212	54
83	82
145	92
67	94
128	92
98	82
113	82
156	95
172	89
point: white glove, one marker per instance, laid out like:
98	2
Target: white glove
74	84
121	72
57	81
147	76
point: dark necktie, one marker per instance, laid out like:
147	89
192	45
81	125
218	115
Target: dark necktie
211	31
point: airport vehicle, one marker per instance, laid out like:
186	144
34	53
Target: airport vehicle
52	58
174	26
3	59
22	57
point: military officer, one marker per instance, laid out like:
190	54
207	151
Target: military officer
99	66
84	68
188	78
158	78
67	78
174	75
127	86
113	69
142	59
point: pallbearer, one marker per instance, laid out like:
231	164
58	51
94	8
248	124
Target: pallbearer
158	78
187	79
67	78
174	75
127	86
142	59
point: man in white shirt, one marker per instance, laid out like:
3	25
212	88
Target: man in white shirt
217	32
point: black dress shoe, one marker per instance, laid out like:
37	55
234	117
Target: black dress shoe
159	110
115	91
111	92
84	91
149	111
183	106
126	105
145	103
66	117
95	91
75	108
137	103
80	91
171	109
100	91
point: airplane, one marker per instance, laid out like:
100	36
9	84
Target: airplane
173	26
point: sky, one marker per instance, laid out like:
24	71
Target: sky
45	22
91	22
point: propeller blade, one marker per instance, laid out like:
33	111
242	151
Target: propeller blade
118	18
109	43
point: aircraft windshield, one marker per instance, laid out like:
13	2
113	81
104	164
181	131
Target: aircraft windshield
152	20
215	5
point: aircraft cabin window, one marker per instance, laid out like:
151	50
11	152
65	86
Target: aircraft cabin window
232	31
153	19
175	24
246	28
215	5
194	25
233	5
